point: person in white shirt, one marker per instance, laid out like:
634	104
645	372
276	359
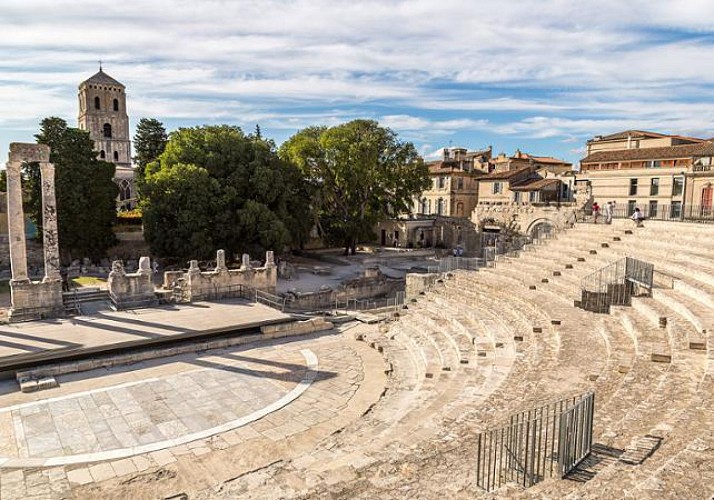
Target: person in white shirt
637	217
608	213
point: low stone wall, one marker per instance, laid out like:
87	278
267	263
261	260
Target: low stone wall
223	282
417	283
131	290
372	284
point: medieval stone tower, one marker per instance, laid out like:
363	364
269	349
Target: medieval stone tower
102	112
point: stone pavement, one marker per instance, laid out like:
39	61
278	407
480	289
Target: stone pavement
182	424
120	328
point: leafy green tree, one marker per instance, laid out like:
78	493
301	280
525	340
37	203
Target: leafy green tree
85	192
3	181
149	142
229	189
359	174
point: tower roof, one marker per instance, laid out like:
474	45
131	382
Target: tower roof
100	77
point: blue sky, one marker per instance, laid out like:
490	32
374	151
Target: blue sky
542	76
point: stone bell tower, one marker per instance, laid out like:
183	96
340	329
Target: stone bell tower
102	112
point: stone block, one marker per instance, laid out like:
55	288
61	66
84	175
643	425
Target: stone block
661	358
47	383
28	385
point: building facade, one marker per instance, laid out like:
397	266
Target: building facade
665	176
454	178
103	113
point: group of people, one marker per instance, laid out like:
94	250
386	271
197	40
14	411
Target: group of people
637	216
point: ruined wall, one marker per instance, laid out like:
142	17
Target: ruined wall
372	284
523	218
223	282
417	283
131	290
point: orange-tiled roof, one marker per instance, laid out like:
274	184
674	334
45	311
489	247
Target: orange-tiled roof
663	153
505	175
535	185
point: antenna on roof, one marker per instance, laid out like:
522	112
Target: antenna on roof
100	65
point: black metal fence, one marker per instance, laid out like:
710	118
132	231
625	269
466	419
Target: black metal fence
616	284
549	441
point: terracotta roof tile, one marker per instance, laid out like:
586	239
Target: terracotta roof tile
663	153
507	174
535	185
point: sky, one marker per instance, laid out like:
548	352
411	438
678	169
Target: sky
543	76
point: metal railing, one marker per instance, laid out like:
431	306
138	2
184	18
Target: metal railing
549	441
616	284
660	212
448	264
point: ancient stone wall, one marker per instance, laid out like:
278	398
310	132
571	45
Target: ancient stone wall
224	282
131	290
418	282
524	218
372	284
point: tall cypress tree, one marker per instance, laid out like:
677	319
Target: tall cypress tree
86	194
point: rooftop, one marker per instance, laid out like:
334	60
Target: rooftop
663	153
100	77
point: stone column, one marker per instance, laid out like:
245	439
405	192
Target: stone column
245	262
16	223
49	223
144	265
221	261
269	259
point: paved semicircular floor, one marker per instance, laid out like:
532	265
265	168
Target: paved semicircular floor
225	391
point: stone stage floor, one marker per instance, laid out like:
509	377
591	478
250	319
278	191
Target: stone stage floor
38	340
185	423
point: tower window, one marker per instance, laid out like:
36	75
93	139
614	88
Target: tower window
107	131
102	154
116	155
116	104
97	103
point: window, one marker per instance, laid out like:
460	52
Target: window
633	187
422	207
517	196
676	210
497	188
116	155
677	186
459	209
440	207
653	164
107	131
631	207
533	196
97	103
460	183
654	186
102	154
116	104
125	193
442	182
652	209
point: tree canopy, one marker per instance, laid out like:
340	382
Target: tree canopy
359	174
149	142
215	187
85	192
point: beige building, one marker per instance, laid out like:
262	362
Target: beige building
523	178
454	188
103	113
666	176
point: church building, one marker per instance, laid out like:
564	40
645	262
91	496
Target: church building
102	112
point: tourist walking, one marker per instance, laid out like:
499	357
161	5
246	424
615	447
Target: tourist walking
608	212
638	217
596	212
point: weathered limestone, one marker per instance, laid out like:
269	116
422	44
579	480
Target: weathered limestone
131	290
245	262
33	300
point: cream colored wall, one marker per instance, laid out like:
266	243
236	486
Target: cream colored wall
614	185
